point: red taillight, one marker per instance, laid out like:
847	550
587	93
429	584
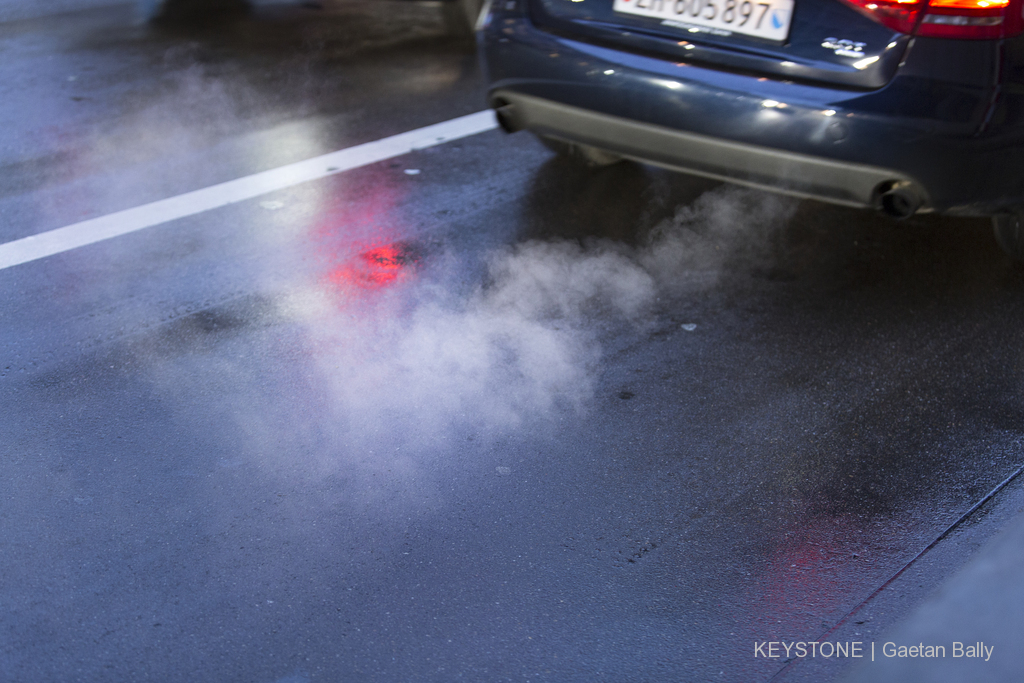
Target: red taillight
898	15
971	19
974	19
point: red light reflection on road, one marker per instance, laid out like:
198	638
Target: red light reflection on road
811	579
359	237
375	268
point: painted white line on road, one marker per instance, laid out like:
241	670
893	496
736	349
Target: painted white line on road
188	204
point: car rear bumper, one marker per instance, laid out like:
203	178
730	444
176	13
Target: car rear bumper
835	181
837	145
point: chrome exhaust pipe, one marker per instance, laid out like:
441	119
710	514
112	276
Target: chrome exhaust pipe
899	200
506	115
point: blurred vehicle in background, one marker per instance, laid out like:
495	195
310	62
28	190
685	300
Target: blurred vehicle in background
460	16
150	10
904	106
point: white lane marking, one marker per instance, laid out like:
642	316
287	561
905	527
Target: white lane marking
188	204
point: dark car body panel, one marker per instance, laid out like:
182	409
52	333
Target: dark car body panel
949	119
801	57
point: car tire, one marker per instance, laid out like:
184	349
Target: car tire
1009	232
589	156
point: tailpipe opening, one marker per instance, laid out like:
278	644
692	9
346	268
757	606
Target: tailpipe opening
898	199
506	115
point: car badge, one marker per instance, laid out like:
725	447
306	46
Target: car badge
845	48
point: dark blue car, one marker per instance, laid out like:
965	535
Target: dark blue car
903	106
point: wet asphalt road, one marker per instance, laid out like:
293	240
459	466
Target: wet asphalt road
472	413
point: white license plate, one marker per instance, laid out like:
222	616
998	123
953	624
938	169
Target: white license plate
768	19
